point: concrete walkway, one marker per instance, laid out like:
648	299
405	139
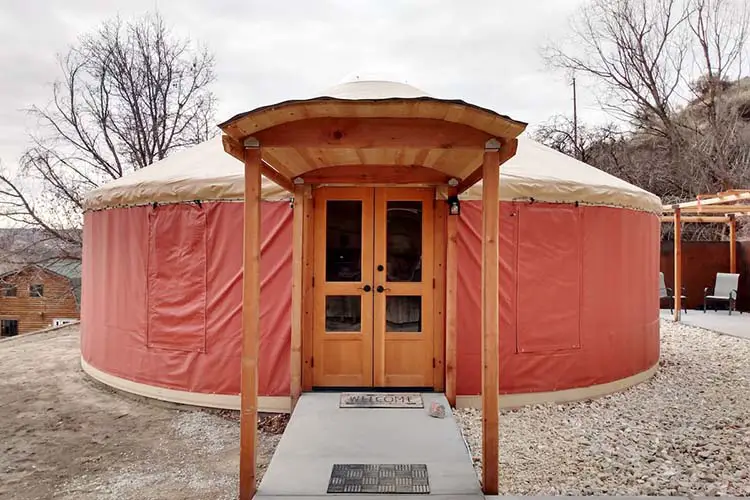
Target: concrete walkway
320	434
736	325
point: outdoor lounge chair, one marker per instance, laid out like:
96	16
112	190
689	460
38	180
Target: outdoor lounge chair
725	290
668	293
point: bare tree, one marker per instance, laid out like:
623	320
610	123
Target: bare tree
720	29
130	93
637	49
559	133
672	69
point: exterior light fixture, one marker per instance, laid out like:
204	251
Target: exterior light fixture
453	182
454	207
298	181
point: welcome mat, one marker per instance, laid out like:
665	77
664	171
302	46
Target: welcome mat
380	400
379	478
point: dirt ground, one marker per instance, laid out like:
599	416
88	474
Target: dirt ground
64	436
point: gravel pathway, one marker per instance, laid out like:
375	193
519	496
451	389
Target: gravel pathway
684	432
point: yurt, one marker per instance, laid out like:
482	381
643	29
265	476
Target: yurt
394	265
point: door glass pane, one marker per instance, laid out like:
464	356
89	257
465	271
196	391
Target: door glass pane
343	313
343	240
403	313
404	241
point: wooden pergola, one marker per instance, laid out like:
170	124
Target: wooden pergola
380	141
720	208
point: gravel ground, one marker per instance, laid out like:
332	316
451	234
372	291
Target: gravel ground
64	437
684	432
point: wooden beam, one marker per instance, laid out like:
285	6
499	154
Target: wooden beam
723	219
490	326
717	209
720	198
298	226
451	304
366	133
236	149
376	174
307	293
507	151
732	245
677	263
250	325
439	241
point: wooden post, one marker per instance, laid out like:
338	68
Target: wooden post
250	324
298	225
732	244
438	322
490	319
677	263
308	264
451	297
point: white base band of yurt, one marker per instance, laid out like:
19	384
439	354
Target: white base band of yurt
282	404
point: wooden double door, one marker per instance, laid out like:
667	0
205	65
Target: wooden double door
373	287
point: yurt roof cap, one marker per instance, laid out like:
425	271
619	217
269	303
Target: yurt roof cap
205	172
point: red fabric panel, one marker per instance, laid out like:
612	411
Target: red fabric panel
275	299
113	294
618	257
469	348
177	277
548	273
114	303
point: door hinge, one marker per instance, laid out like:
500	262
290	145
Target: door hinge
433	362
313	282
312	362
433	283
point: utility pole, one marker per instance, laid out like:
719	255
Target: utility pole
575	122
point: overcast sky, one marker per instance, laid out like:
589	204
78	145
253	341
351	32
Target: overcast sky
482	51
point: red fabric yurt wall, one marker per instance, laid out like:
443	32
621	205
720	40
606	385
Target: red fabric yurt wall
162	294
578	296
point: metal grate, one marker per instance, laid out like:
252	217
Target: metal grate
379	478
380	400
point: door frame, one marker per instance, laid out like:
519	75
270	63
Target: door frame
306	207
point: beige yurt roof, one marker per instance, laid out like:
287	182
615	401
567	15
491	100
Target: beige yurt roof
205	172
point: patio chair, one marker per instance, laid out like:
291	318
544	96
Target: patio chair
668	293
725	290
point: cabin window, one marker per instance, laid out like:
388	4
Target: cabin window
8	327
10	291
62	321
36	290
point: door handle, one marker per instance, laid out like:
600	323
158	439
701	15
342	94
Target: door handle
381	289
366	288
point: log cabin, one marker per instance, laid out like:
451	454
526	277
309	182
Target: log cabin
38	296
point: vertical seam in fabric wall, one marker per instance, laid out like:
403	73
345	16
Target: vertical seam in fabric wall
517	230
581	215
205	275
148	274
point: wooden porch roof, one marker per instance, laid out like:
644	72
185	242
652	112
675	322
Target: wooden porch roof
370	124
